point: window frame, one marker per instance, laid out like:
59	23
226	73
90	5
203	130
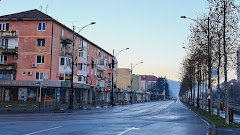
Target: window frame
41	59
81	53
39	76
80	66
3	59
62	58
42	26
41	42
4	42
4	26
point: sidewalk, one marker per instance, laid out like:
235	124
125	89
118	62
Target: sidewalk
236	117
214	129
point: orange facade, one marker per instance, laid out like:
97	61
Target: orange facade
39	51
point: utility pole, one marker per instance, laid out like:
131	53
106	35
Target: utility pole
131	81
113	66
71	91
112	94
164	98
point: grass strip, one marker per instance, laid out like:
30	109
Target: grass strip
219	122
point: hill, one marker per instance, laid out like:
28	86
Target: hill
174	87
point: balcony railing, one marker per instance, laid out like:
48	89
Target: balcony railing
9	50
65	40
101	67
12	66
9	34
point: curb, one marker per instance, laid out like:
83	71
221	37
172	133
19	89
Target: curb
212	126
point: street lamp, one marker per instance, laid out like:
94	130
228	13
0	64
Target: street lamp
72	73
113	63
207	31
132	67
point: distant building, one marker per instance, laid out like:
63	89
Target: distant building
148	82
136	79
123	78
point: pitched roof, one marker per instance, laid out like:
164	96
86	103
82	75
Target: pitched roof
35	14
27	15
149	77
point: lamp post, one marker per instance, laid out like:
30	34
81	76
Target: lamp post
131	71
113	66
207	31
71	91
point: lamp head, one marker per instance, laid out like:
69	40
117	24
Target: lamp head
184	17
93	23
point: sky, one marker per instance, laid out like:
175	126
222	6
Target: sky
152	29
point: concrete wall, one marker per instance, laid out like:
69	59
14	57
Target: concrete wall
136	82
123	78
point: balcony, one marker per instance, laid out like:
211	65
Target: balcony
101	67
9	50
9	34
12	66
65	41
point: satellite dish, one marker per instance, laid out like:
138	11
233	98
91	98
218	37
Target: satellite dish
68	70
45	77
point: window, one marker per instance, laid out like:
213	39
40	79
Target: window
62	32
39	75
4	43
81	78
92	64
40	42
42	26
6	75
3	59
99	53
62	61
80	53
80	66
40	59
101	62
68	61
4	26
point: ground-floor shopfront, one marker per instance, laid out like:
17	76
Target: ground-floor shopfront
54	96
39	96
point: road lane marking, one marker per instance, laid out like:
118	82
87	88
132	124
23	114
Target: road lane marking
40	131
127	130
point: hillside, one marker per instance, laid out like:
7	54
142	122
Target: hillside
174	87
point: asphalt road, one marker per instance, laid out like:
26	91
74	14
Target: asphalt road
153	118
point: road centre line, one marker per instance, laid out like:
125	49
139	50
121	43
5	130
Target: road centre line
127	130
40	131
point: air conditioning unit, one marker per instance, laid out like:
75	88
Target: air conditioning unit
34	65
30	73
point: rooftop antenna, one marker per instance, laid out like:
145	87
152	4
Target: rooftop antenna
46	8
40	7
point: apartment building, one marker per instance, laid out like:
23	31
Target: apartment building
36	53
100	73
147	83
